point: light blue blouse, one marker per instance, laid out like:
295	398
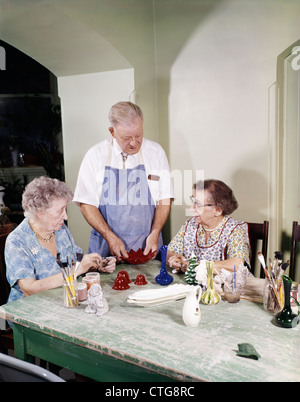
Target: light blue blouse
26	258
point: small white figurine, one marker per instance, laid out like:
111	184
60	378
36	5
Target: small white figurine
97	304
201	273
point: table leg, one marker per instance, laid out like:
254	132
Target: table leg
81	360
20	345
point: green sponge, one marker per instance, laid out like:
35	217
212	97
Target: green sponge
247	350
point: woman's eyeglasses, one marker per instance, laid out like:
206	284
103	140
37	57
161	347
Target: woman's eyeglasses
198	205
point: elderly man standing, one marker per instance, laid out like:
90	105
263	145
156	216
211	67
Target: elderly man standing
124	187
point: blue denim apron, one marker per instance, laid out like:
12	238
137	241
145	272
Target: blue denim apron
127	206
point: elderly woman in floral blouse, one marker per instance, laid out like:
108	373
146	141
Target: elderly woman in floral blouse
211	234
31	249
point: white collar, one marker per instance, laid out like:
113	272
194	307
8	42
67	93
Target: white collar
117	149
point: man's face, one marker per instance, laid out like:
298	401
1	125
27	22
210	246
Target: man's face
130	136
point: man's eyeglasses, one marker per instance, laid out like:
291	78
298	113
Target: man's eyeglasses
198	205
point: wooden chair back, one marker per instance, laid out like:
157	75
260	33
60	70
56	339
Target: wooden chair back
4	286
258	231
295	240
6	336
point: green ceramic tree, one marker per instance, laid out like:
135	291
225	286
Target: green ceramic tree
190	275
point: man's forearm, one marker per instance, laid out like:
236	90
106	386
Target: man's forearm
162	212
95	219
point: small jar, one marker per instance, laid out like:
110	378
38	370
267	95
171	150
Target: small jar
294	292
82	291
232	296
89	280
95	275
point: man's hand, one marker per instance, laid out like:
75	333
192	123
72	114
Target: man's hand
116	247
151	244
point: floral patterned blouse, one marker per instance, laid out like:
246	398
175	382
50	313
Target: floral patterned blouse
229	239
26	258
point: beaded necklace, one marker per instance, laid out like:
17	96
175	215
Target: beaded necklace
39	236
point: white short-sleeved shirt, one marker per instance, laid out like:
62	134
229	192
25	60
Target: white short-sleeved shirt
108	153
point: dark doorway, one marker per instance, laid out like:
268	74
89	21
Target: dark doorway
30	124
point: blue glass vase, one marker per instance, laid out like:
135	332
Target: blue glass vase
164	278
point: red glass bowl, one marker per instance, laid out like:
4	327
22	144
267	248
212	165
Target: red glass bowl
137	257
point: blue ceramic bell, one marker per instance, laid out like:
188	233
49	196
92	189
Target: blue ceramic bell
164	278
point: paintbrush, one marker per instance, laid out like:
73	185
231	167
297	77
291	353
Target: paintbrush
273	290
222	279
59	263
70	290
261	259
79	257
271	268
278	257
277	263
247	265
283	267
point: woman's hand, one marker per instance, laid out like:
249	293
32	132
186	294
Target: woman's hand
108	264
89	261
178	261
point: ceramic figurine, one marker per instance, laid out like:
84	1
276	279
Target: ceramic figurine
140	280
125	273
121	281
190	274
97	304
191	313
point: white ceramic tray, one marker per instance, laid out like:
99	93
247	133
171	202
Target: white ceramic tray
154	297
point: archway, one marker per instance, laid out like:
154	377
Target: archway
30	122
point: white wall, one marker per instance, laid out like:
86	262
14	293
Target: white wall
86	100
202	70
202	73
215	63
218	105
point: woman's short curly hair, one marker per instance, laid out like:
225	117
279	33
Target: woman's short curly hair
220	194
41	192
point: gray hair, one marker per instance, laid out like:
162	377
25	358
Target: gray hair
41	192
124	113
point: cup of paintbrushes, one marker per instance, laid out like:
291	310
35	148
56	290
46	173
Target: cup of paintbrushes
69	286
70	293
273	295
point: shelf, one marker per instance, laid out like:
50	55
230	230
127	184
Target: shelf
16	172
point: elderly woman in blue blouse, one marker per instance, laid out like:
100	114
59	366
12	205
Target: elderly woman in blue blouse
211	234
32	248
